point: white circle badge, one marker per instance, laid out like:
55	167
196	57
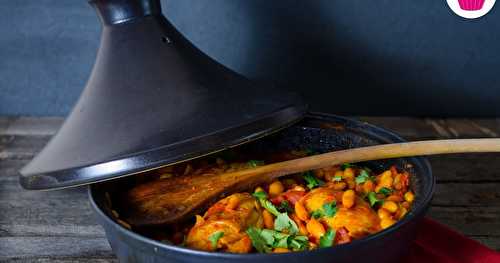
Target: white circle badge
471	8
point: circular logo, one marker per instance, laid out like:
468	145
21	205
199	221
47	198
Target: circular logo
471	8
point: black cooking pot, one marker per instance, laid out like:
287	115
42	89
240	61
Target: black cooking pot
321	133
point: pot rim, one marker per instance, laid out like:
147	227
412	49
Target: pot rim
415	213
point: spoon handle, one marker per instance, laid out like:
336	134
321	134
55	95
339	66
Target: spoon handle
377	152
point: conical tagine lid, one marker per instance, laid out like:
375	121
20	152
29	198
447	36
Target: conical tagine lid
153	99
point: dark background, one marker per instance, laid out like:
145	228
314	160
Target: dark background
382	57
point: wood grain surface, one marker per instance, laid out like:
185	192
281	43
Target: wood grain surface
59	226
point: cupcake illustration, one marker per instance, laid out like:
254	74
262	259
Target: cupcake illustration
471	5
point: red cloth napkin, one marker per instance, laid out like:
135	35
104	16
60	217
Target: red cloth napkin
438	243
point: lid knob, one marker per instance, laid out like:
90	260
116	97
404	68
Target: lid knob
119	11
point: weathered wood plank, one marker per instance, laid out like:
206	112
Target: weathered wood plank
476	221
64	260
480	167
30	125
34	247
21	147
492	242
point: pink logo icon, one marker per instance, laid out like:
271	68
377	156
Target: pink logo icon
471	5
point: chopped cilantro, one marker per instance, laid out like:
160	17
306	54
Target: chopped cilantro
385	191
255	163
317	214
268	236
337	178
214	238
327	239
260	195
363	177
345	166
264	240
269	206
285	207
258	242
283	222
311	180
372	198
299	243
330	209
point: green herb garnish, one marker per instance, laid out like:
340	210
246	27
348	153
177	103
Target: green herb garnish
214	238
264	240
311	180
285	207
260	195
258	242
372	198
255	163
385	191
337	178
269	206
363	177
345	166
283	222
327	239
330	209
317	214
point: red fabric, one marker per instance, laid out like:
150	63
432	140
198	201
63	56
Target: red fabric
438	243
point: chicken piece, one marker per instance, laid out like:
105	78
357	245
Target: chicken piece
360	220
232	216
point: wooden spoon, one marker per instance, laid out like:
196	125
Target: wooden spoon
175	199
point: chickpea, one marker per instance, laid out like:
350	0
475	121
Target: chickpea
395	198
339	185
258	189
233	202
383	213
351	184
276	188
409	197
289	182
397	182
329	176
387	222
401	213
348	198
268	219
339	173
299	188
349	173
319	173
315	228
406	205
281	250
368	186
390	206
385	181
301	211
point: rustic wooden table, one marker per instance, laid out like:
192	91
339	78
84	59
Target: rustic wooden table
59	225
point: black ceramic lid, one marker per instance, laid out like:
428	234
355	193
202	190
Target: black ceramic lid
153	99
